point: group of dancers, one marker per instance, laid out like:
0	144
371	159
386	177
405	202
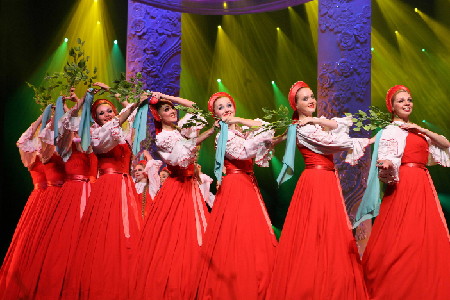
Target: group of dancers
91	231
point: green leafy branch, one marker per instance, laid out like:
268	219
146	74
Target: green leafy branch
131	89
278	119
76	71
372	119
198	116
45	93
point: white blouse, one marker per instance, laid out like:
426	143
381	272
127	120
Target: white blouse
175	148
392	145
152	169
242	146
321	141
29	146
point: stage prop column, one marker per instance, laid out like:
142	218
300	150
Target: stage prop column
154	49
344	61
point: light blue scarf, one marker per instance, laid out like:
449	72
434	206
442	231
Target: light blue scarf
45	116
59	113
370	203
287	171
84	130
220	151
140	126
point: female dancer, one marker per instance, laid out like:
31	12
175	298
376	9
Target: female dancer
110	223
147	182
165	265
29	148
59	242
239	249
317	256
22	270
408	253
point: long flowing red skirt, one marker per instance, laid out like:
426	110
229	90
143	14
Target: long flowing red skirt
317	256
408	253
19	273
20	234
108	231
60	241
239	250
167	255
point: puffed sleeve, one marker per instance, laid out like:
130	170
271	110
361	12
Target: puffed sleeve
192	131
67	125
152	169
28	146
106	137
47	142
438	155
175	149
332	141
243	147
392	145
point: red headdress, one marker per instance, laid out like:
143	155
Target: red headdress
142	163
165	169
96	104
154	104
291	97
391	94
216	96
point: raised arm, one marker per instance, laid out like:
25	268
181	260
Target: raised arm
177	100
437	139
124	116
325	123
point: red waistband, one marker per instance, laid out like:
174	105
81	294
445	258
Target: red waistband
320	167
414	165
74	177
55	183
40	185
181	172
238	171
110	171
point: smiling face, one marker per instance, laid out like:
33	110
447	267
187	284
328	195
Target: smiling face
402	105
167	113
104	113
139	173
305	102
223	107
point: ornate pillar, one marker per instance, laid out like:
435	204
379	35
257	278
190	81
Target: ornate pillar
154	49
344	80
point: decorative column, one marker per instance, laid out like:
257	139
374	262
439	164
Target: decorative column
154	49
344	68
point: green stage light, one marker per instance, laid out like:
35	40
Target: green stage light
219	80
424	121
273	82
66	40
115	42
423	50
372	49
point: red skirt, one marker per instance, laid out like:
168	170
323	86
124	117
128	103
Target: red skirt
239	248
168	253
317	256
109	228
408	253
60	241
20	274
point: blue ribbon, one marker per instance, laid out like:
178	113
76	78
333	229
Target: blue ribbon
140	126
370	203
220	151
84	130
45	116
59	113
287	171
